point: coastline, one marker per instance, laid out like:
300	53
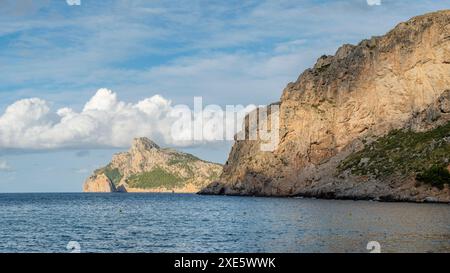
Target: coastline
332	196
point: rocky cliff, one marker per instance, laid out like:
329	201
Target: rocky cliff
148	168
370	122
99	183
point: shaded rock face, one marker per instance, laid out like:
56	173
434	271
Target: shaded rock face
396	81
146	167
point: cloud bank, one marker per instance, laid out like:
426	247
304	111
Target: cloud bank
105	121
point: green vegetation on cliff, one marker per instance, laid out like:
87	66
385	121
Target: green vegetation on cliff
181	158
155	178
405	152
112	173
436	176
187	163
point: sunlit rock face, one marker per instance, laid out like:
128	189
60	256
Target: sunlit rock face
99	183
346	101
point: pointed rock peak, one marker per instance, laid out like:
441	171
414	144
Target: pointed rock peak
344	51
143	143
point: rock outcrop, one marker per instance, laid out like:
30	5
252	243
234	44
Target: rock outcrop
346	104
148	168
98	183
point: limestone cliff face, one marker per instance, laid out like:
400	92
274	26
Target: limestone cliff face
148	168
363	92
98	183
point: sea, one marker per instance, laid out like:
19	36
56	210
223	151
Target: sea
166	222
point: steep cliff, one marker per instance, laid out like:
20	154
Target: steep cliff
148	168
389	88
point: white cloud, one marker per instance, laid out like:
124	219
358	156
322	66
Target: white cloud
373	2
4	166
104	121
73	2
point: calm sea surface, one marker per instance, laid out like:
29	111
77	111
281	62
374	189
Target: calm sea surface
116	222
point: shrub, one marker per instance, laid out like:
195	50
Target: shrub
113	174
401	152
155	178
436	176
181	158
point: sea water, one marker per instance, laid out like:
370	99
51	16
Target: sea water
144	222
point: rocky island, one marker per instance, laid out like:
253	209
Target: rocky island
146	167
370	122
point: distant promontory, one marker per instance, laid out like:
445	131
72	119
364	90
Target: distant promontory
146	167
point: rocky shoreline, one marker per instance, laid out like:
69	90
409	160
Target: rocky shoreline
332	196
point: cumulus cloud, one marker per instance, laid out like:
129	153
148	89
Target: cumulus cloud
105	121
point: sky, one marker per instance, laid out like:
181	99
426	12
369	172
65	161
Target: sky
80	78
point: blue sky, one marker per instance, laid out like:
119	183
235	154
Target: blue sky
228	52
